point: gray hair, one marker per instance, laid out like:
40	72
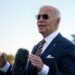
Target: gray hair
57	12
54	10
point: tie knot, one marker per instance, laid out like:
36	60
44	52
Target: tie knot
42	41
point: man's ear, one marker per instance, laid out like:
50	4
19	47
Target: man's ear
58	20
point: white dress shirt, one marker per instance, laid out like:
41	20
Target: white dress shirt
48	40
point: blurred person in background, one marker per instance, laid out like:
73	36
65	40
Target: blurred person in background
5	67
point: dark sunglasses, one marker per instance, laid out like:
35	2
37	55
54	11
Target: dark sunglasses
44	16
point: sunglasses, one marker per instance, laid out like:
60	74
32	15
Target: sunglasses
44	16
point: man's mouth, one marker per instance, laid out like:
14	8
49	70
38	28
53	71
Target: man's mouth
41	25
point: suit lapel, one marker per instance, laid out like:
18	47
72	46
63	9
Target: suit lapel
52	47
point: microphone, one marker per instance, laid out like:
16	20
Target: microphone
20	62
1	72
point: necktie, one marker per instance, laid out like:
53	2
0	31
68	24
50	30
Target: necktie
39	49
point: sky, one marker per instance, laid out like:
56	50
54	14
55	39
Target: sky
18	28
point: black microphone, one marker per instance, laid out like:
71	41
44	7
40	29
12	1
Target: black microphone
1	72
20	62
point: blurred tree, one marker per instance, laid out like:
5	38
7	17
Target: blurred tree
10	58
73	36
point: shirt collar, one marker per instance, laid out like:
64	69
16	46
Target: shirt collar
50	37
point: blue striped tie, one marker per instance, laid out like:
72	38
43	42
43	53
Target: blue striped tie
39	49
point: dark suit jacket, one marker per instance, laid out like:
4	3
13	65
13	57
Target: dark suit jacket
63	62
9	71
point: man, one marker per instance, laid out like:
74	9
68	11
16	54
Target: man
5	67
58	54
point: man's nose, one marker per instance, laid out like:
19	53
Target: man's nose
41	18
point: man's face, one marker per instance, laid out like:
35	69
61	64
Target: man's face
46	21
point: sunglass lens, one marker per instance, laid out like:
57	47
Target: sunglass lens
38	17
45	16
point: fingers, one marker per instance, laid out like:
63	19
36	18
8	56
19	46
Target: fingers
36	61
34	57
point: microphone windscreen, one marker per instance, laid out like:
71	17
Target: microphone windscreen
20	62
1	72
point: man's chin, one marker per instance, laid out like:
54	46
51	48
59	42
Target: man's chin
41	32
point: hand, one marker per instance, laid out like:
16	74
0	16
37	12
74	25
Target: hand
36	61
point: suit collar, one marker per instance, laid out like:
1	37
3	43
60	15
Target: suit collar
52	46
50	37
